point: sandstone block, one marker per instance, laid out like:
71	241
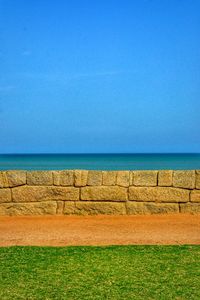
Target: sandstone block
40	178
44	193
63	178
145	178
22	209
158	194
165	178
5	195
80	177
3	180
95	208
105	193
109	177
192	208
94	178
184	179
60	207
123	178
69	208
195	196
16	178
134	208
197	181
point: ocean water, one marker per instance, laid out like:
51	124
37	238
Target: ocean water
99	161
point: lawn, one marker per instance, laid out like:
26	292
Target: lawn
115	272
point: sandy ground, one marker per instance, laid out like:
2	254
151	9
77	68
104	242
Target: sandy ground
100	230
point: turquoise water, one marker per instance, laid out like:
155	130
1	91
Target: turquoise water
100	161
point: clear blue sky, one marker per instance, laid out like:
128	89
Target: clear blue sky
99	76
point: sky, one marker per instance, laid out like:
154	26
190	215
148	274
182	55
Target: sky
103	76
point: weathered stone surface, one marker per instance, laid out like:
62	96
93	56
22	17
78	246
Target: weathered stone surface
123	178
5	195
94	208
145	178
3	180
69	208
195	196
44	193
94	178
134	208
109	177
197	181
22	209
165	178
192	208
184	179
158	194
63	178
40	178
16	178
80	177
60	207
198	171
105	193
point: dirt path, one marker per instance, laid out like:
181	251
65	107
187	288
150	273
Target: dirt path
99	230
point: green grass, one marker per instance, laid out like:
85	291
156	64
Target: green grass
116	272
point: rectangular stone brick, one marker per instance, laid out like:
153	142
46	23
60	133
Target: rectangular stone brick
105	193
197	181
123	178
3	179
192	208
63	178
44	193
5	195
23	209
184	179
145	178
95	208
165	178
80	177
12	178
40	178
109	177
134	208
60	207
195	196
94	178
158	194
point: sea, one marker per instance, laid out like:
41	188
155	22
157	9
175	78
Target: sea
99	161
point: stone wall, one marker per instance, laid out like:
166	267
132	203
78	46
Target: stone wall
83	192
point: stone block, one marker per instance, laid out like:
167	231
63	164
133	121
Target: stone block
60	207
44	193
192	208
104	193
95	208
69	208
3	179
94	178
80	177
123	178
195	196
158	194
165	178
184	179
63	178
5	195
198	171
40	178
134	208
197	181
22	209
145	178
12	178
109	177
